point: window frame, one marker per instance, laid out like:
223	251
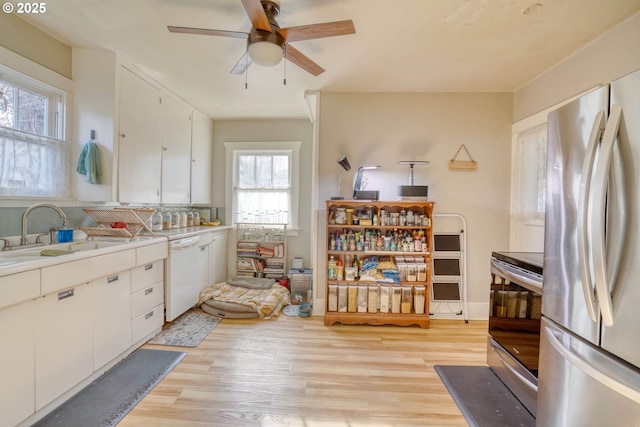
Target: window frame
290	148
57	89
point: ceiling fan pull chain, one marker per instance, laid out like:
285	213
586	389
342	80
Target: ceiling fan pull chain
246	69
285	65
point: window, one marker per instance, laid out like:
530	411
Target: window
33	154
530	176
264	188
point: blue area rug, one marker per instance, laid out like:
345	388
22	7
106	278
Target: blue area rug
110	397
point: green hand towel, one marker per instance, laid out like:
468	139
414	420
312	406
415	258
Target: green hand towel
89	163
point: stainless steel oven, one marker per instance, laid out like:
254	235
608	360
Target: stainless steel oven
514	322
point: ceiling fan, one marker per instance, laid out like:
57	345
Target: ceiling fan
267	43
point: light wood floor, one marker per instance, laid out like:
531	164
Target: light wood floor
293	371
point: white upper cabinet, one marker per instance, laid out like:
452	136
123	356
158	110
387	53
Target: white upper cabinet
176	151
140	142
201	151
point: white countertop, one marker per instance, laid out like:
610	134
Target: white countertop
180	233
45	261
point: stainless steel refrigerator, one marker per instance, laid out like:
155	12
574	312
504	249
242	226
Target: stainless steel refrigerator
589	368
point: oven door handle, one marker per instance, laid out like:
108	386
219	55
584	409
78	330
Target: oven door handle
498	351
504	270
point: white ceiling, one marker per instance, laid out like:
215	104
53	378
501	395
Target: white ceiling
401	45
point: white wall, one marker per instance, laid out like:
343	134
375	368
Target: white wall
384	128
612	55
269	130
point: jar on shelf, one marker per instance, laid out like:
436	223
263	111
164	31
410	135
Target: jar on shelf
166	220
183	219
196	218
156	221
189	218
175	220
341	216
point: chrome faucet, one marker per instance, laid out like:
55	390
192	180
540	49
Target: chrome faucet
23	234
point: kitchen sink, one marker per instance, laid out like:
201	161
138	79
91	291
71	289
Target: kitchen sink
32	254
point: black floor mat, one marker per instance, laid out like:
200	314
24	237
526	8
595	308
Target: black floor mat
482	398
110	397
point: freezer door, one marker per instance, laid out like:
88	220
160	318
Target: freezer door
580	385
623	245
574	132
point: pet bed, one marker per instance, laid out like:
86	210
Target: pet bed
244	297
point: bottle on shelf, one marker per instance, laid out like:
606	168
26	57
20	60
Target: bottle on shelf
332	271
355	266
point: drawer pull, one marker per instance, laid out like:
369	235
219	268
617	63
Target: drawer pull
112	279
148	267
148	315
148	291
65	294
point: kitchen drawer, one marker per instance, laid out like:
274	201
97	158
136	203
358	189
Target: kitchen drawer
151	253
144	324
147	298
19	287
72	273
146	275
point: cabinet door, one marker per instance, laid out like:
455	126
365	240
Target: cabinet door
176	151
16	363
63	342
203	267
111	317
218	261
140	142
201	160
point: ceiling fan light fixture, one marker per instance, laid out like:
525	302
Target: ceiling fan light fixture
265	53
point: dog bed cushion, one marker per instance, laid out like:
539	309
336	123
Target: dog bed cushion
263	302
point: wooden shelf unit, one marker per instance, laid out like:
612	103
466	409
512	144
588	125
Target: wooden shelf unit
338	223
261	250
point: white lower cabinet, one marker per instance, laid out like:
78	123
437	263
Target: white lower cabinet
63	341
16	363
111	317
58	336
218	257
147	299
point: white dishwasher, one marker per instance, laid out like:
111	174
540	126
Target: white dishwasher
182	276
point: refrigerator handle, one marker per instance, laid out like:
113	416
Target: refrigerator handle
599	197
585	256
591	370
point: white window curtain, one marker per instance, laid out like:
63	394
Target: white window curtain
263	189
32	165
530	175
34	158
262	182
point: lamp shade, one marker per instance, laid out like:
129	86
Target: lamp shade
344	162
265	53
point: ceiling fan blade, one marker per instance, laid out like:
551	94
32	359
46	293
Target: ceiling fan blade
242	64
317	31
208	32
302	61
257	15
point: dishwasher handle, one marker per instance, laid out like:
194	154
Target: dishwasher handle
186	243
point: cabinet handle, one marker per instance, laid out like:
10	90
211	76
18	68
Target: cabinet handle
148	267
122	135
65	294
148	315
112	279
148	291
164	148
